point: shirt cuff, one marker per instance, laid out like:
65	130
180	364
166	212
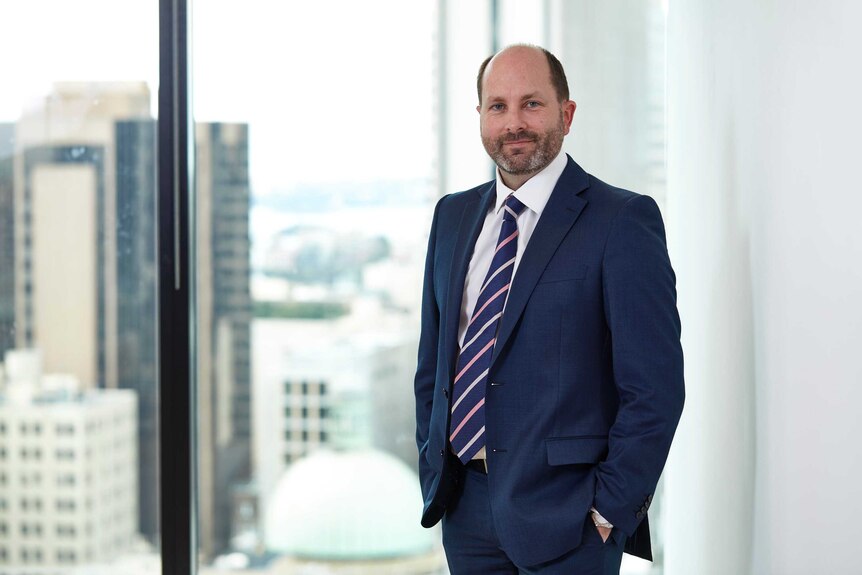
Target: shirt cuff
597	517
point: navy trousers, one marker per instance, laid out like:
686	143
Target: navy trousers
472	546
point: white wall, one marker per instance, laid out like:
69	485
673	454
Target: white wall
765	209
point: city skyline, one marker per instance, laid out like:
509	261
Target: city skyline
78	190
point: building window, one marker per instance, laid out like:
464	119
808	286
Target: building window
66	479
65	454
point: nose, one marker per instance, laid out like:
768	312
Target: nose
515	120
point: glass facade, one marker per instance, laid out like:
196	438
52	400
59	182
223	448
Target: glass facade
320	148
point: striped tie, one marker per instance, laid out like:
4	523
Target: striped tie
467	428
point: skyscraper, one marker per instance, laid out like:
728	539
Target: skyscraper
7	239
78	250
223	325
84	249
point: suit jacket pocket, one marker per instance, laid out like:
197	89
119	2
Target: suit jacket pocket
560	273
584	449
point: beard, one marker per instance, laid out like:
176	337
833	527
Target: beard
519	162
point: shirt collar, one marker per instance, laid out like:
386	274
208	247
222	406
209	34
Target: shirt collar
536	191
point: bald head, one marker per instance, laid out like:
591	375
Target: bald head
532	55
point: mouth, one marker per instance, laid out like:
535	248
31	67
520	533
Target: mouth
518	142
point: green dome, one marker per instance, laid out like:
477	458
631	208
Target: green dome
347	505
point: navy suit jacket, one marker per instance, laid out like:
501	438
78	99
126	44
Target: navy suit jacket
585	387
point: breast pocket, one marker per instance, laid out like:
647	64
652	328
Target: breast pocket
564	272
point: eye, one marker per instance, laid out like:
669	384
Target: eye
496	107
532	104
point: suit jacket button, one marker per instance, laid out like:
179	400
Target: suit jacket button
442	453
446	393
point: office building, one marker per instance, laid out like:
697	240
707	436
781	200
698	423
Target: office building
68	469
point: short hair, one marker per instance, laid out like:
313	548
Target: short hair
558	75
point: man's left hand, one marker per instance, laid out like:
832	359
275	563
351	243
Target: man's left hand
605	532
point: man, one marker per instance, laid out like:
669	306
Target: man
550	381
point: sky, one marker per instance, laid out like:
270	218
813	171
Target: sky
332	89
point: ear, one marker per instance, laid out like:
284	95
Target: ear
569	108
479	109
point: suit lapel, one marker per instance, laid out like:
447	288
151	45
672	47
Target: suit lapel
468	231
560	213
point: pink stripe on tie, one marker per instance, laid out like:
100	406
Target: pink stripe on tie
481	309
506	241
467	418
472	361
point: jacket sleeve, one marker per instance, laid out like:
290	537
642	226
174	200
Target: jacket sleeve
641	313
426	369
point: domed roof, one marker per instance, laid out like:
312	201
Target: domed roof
363	504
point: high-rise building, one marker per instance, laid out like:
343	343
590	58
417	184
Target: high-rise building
137	269
223	326
84	249
66	221
7	239
79	191
68	462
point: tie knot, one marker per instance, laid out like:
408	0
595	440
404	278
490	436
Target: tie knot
512	208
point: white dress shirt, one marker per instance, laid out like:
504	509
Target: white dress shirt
534	194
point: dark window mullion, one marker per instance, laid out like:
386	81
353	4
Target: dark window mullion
176	290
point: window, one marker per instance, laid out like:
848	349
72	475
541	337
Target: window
78	256
64	454
328	281
65	556
321	240
66	480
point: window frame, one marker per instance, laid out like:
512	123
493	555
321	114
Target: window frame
175	224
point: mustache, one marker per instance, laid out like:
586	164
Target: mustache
522	135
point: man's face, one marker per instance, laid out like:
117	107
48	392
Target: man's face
522	119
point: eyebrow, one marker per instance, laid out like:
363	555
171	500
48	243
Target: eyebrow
530	96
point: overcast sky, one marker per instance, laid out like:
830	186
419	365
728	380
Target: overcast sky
332	90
